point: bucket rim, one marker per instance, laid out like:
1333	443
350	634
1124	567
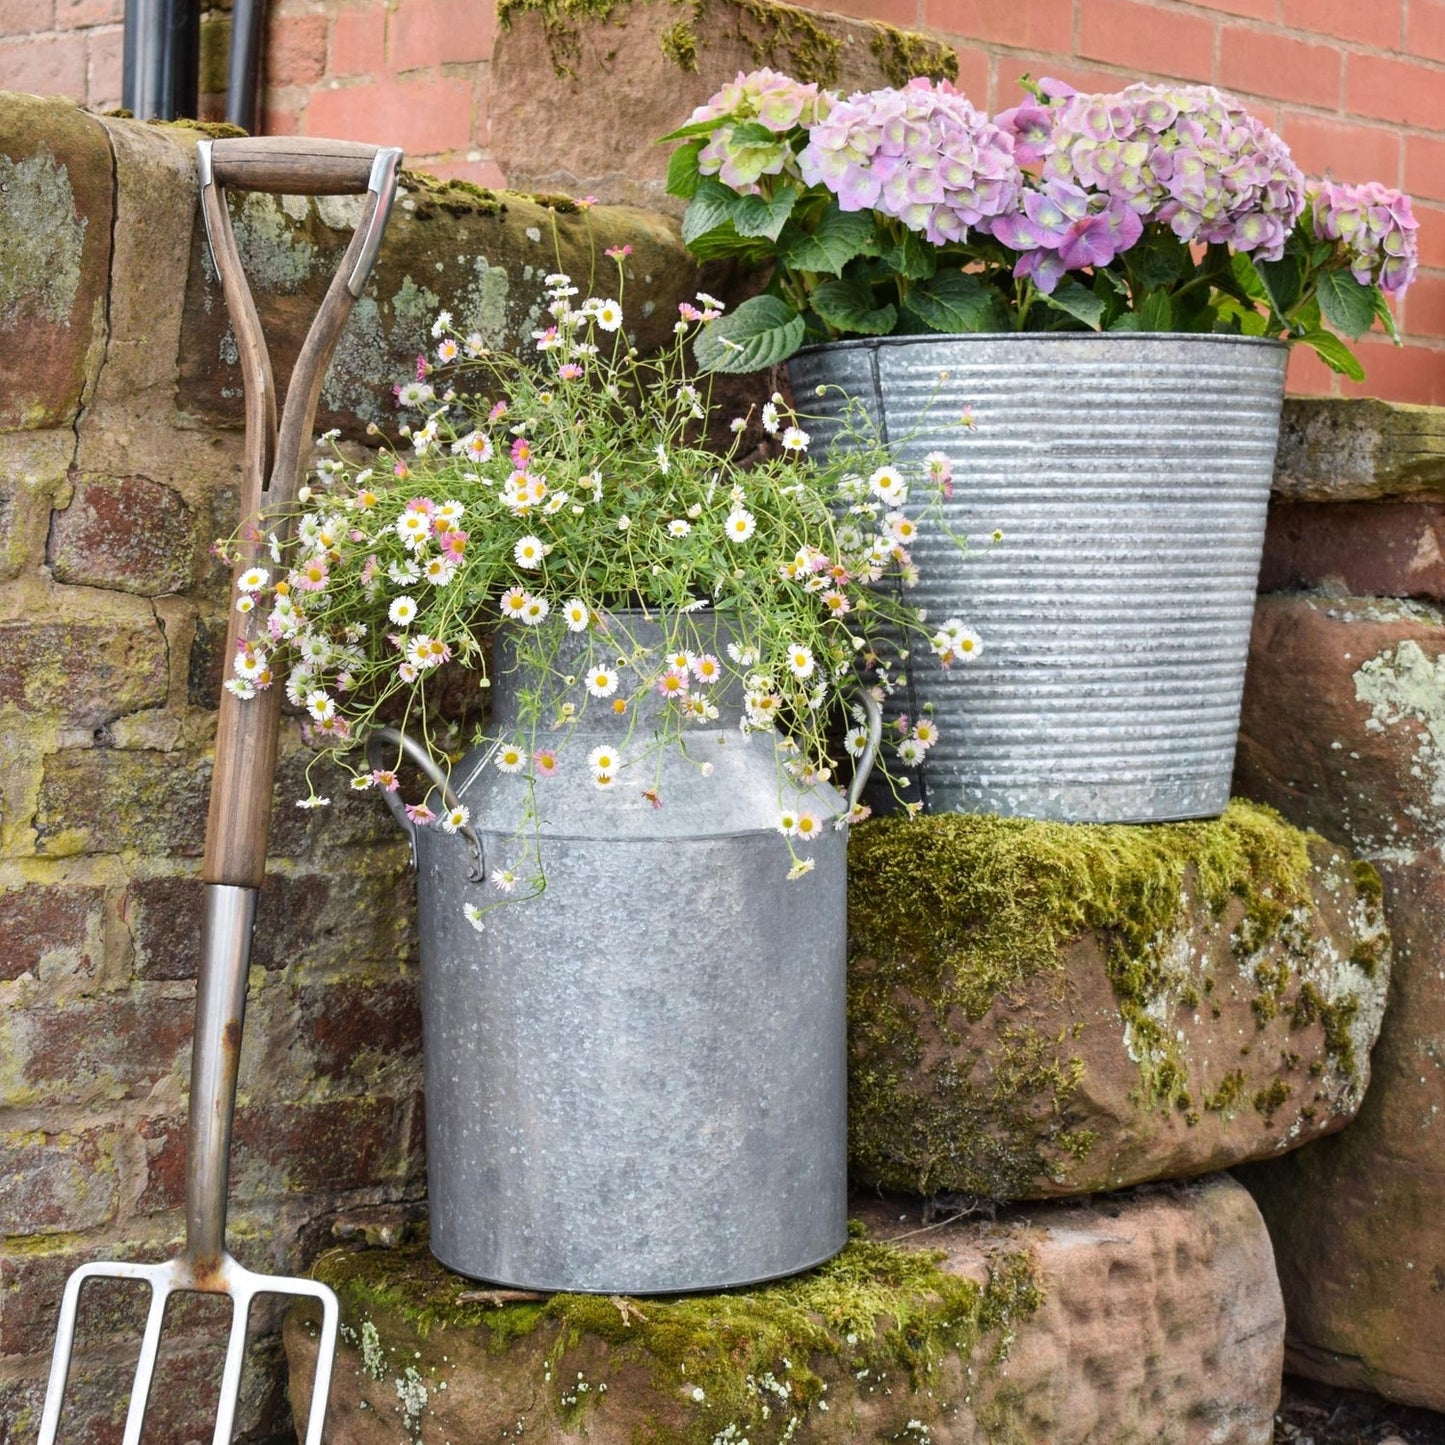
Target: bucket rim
1044	338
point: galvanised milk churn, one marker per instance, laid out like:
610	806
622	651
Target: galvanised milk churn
635	1079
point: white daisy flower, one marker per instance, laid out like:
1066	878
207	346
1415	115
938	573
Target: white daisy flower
678	527
925	732
245	603
604	760
770	421
788	823
473	915
529	552
910	752
509	758
575	615
795	439
609	315
535	611
402	611
800	661
601	682
321	705
740	525
403	574
855	742
253	580
455	819
808	827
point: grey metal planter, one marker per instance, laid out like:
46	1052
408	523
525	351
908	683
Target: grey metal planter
635	1082
1129	474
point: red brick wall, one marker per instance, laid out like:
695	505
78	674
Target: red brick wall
1356	87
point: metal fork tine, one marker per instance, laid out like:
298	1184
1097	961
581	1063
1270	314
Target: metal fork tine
60	1359
325	1354
235	1361
145	1367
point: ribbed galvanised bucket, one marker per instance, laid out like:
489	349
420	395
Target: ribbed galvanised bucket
1129	475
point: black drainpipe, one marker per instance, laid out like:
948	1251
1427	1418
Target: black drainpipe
247	25
161	61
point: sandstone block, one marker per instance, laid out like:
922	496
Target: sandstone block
449	245
1154	1317
1357	1226
1331	450
94	1049
50	930
361	911
1343	722
580	94
57	1180
1041	1009
84	671
1363	549
104	800
57	175
130	534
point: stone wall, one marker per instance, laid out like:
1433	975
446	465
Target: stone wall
119	459
1344	732
1356	90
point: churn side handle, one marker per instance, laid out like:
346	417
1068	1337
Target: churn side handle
423	759
870	753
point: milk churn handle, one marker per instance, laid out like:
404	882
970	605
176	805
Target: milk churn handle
423	759
870	751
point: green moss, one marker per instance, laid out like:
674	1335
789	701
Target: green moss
948	915
875	1307
904	54
212	129
1268	1101
1336	1017
679	44
1225	1099
431	194
1368	883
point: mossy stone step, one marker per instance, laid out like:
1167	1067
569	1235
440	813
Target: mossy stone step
1155	1316
1041	1009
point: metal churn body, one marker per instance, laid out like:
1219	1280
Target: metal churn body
635	1081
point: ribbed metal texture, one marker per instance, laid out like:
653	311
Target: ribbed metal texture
1129	475
635	1083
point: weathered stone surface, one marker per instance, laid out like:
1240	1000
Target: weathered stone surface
129	533
1343	724
581	91
49	930
85	671
1154	1317
57	175
1332	450
103	800
1358	1230
54	1180
481	256
1364	549
1041	1009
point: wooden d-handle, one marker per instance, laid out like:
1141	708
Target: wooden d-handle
289	165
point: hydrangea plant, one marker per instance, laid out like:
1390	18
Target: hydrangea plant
542	496
1154	208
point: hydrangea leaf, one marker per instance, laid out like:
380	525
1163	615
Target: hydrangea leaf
1384	315
1156	312
1079	302
763	331
710	208
1334	353
838	238
1348	306
694	128
1283	281
1157	262
953	301
725	241
910	257
756	216
850	306
682	172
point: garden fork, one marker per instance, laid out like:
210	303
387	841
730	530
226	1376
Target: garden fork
245	767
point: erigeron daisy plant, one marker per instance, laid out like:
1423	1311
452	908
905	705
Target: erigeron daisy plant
905	210
546	497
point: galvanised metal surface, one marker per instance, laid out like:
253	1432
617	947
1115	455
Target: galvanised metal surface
1129	474
635	1083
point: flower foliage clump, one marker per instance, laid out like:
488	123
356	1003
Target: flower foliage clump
1153	208
547	500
